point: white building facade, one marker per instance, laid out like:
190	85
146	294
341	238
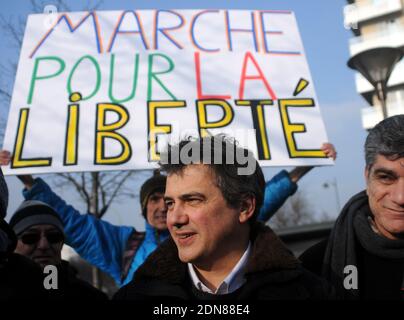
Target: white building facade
377	23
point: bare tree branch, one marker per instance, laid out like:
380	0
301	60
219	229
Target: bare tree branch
3	92
293	213
103	200
79	188
97	5
118	186
84	186
62	6
36	7
12	30
113	178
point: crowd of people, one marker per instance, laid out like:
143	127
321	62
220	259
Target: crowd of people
206	237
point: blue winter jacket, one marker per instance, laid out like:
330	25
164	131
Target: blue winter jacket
97	241
103	244
277	190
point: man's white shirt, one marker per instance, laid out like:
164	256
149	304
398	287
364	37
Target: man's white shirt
231	283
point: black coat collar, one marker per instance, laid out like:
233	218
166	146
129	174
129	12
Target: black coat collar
268	254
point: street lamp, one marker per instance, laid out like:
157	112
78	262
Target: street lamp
376	65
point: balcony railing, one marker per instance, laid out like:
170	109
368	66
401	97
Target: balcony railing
393	37
358	13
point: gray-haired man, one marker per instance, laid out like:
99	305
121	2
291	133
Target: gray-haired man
364	256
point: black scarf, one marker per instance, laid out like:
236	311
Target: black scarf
351	226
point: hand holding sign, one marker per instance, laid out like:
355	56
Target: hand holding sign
5	159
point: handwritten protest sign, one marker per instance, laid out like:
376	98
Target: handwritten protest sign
107	90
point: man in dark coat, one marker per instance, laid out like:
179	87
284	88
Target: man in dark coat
20	278
364	255
217	250
40	237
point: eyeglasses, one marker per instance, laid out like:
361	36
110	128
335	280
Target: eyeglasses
33	238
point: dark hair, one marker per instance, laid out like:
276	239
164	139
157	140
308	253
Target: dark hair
387	139
235	179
